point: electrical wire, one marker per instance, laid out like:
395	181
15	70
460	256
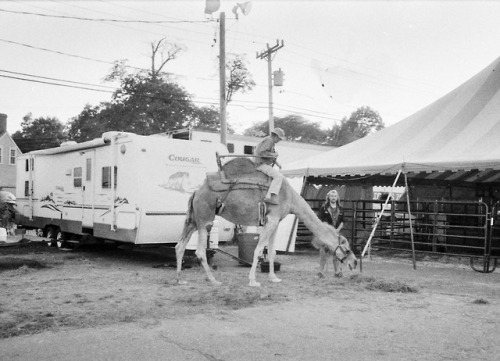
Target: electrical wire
61	53
52	83
188	21
158	22
107	20
55	79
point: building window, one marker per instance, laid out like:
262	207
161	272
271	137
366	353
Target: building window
248	149
77	177
13	154
106	177
230	147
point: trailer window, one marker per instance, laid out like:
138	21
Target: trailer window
248	149
106	177
26	188
88	174
230	147
77	177
27	164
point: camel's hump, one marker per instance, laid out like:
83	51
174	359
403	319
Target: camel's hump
238	173
236	167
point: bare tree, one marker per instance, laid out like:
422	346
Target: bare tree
166	51
161	53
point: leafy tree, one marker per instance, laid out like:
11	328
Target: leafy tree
296	129
208	118
39	133
362	122
148	106
87	125
239	79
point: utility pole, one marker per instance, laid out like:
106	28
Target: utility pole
222	78
266	54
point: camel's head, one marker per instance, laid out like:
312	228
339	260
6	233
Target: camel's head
345	255
341	250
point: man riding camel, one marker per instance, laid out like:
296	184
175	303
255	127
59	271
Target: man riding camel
266	157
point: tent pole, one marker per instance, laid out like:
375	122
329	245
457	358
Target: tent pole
380	214
407	189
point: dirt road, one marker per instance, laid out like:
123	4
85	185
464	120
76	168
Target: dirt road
111	304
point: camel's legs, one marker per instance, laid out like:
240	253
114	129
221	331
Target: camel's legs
322	262
272	255
201	252
180	247
265	235
337	266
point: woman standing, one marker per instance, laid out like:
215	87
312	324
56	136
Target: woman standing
331	211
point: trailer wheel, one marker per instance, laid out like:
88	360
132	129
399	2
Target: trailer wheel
51	236
60	241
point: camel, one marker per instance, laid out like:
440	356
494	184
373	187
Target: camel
236	194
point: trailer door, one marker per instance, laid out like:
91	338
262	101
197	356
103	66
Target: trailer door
88	199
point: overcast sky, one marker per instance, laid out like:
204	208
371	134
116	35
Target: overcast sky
393	56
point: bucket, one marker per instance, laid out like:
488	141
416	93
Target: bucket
246	245
264	266
3	235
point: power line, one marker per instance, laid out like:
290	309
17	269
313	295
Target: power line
57	52
55	79
72	4
107	19
94	59
187	21
209	102
137	68
106	23
52	83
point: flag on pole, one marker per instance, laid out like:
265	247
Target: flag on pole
211	6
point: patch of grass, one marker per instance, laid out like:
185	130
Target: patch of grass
359	278
26	323
373	284
480	301
391	286
234	297
27	247
10	263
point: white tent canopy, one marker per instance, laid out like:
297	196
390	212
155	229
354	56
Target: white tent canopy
458	133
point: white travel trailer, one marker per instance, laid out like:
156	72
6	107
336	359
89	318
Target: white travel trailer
120	187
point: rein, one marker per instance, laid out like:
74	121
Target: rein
345	253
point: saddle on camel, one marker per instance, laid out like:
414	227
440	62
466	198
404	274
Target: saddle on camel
237	193
237	175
